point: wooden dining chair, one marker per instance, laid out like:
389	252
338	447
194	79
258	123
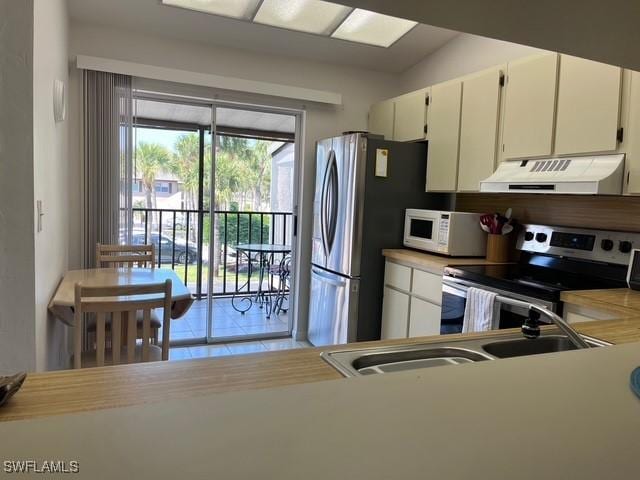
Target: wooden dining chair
120	305
141	256
131	256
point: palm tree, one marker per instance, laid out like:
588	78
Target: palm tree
150	159
184	164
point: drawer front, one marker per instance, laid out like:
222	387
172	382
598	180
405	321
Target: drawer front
395	314
397	276
424	318
428	286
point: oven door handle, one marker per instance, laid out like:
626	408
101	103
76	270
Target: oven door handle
457	291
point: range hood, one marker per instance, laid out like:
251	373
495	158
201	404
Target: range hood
593	175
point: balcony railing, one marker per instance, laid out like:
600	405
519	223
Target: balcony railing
181	238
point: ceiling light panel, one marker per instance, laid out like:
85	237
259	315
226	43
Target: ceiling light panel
243	9
363	26
312	16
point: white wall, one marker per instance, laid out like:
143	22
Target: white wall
359	88
17	351
50	165
463	55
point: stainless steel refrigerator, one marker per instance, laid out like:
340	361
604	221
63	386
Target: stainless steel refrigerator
363	186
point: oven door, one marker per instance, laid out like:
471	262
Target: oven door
454	302
421	231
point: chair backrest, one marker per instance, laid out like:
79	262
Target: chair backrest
121	304
142	256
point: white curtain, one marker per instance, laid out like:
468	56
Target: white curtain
107	160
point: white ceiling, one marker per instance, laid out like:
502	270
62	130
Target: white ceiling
601	30
227	117
149	16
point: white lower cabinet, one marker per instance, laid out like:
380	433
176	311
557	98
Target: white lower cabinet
395	314
424	318
411	303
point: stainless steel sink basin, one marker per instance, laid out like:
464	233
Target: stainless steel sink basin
523	347
456	351
397	361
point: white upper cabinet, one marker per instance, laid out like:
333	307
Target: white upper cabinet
588	106
444	136
410	116
530	107
632	134
479	128
381	118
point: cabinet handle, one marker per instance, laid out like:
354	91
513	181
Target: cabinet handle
620	135
426	127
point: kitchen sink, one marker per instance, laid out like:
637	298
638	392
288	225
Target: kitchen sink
397	361
523	346
456	351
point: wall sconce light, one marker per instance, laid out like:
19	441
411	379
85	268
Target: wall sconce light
59	103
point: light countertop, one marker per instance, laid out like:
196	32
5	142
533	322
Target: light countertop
622	301
431	262
555	416
70	391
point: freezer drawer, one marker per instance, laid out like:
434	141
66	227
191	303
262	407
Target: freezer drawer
333	308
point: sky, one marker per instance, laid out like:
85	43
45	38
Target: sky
166	138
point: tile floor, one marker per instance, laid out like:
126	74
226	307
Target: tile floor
227	322
238	348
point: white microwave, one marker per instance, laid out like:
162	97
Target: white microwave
457	234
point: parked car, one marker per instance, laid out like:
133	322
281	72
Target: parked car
185	252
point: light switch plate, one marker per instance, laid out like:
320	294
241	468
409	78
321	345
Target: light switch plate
382	156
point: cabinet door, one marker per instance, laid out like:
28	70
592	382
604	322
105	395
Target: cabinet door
381	117
398	276
632	135
588	106
443	131
395	314
411	114
478	128
424	318
530	107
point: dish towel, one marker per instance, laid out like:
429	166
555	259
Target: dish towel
479	310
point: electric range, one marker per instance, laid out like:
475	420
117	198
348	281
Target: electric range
552	260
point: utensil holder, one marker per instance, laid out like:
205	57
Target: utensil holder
498	247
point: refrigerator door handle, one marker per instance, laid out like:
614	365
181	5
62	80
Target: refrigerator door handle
332	203
327	277
323	202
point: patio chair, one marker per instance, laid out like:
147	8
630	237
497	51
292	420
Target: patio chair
131	256
104	303
282	270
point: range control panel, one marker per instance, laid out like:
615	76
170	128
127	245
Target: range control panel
597	245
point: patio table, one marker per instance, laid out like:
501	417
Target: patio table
62	303
265	253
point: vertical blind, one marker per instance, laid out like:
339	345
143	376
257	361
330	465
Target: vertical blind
107	162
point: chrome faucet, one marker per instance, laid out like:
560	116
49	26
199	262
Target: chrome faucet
531	326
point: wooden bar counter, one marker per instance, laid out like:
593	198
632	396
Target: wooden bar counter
69	391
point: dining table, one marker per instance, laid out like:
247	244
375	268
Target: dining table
62	302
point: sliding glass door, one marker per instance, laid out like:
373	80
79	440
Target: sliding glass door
234	253
251	264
